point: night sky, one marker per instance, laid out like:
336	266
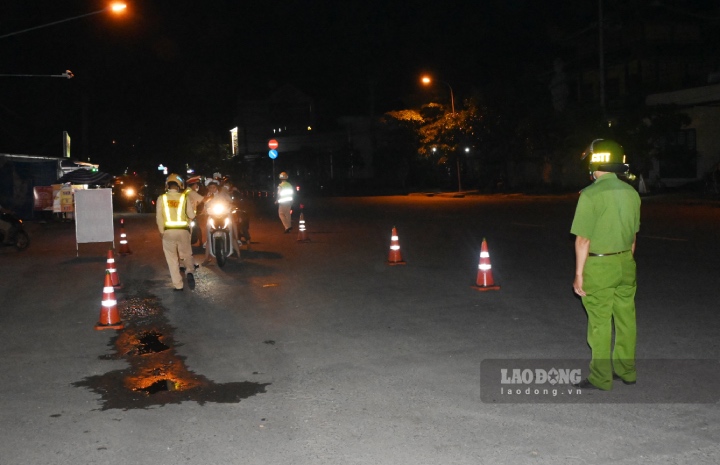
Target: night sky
165	67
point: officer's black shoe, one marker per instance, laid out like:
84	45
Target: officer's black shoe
197	266
287	230
586	384
191	281
182	269
627	383
176	290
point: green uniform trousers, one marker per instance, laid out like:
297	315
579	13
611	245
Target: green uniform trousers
610	284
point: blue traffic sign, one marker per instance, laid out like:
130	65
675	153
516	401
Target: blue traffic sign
273	154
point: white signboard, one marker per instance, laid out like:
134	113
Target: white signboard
94	216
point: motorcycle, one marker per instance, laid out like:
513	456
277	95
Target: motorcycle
18	237
219	233
241	220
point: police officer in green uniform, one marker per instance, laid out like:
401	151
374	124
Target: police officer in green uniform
606	222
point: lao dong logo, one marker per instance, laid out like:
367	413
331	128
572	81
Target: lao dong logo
552	376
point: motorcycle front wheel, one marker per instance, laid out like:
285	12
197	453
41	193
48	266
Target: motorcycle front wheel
22	240
220	253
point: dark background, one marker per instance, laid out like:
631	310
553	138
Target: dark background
165	69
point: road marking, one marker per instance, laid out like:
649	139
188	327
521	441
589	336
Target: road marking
271	285
661	238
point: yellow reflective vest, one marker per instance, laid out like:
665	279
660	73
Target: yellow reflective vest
285	192
172	211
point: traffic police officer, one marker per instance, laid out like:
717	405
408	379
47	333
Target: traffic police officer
173	216
606	222
284	201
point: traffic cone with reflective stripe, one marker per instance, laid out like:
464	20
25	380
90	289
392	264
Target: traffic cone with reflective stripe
485	280
124	248
112	270
395	257
302	233
109	315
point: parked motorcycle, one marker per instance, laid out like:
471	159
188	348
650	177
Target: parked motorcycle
18	237
219	234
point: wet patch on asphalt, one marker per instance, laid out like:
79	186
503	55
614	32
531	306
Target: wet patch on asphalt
157	374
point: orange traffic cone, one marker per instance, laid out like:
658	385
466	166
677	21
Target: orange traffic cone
395	257
124	248
112	270
302	233
485	280
109	315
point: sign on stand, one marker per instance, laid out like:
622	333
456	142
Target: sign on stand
93	217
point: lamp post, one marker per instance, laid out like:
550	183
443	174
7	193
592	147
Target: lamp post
67	75
114	7
427	80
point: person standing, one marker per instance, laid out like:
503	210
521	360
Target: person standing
195	199
606	222
284	201
193	192
173	216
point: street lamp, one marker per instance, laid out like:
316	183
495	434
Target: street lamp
114	7
67	75
427	80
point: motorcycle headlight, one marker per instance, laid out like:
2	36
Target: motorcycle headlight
219	209
129	192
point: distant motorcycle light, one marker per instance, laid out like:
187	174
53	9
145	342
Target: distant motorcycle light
129	192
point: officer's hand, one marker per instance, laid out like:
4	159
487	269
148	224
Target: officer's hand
577	286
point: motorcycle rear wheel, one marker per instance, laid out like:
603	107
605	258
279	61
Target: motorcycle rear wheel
220	253
22	240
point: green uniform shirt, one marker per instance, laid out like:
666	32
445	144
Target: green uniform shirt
608	213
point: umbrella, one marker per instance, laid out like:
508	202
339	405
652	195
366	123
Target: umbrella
85	176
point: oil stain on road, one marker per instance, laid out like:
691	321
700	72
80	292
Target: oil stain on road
157	374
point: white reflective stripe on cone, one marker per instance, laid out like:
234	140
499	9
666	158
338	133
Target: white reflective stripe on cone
108	290
111	260
109	303
394	247
484	267
484	255
393	238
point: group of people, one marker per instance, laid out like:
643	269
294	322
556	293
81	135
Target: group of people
606	222
178	206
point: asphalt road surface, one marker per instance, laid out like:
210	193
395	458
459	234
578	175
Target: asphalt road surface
322	353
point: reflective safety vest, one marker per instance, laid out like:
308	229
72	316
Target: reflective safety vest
285	192
181	219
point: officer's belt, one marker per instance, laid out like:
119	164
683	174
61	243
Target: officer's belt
606	254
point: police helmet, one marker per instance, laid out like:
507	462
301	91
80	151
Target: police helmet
176	179
606	155
283	175
194	180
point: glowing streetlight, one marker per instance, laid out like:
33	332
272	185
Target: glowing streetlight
427	80
67	75
115	7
